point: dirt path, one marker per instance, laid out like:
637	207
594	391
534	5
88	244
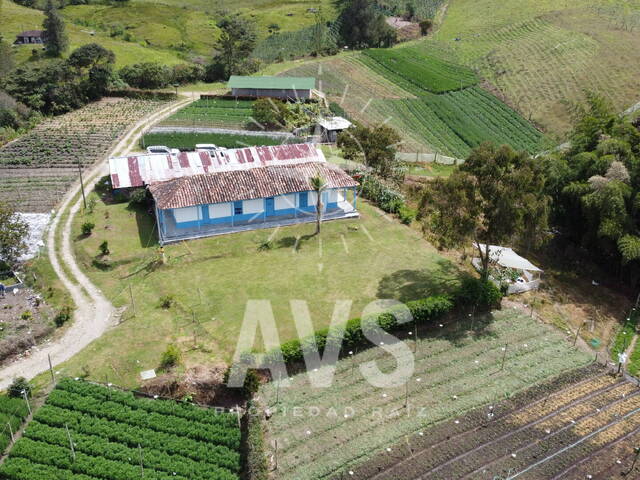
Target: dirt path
94	313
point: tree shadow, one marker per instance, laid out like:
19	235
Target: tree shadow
147	227
407	285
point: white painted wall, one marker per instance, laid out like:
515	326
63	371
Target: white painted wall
253	206
220	210
187	214
285	201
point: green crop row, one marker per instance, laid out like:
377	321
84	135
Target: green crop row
219	111
132	436
218	434
155	459
87	432
188	140
13	411
421	71
183	410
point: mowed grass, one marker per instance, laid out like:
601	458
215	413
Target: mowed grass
212	279
542	55
16	18
326	432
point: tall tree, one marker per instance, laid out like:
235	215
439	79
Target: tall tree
94	64
495	197
13	234
362	25
56	41
375	147
318	184
236	43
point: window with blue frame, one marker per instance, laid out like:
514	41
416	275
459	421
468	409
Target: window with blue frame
237	208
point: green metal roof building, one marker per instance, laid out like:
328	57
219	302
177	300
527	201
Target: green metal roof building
294	88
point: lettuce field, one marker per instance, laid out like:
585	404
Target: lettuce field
86	432
218	112
419	71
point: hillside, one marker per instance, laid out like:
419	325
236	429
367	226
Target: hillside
542	54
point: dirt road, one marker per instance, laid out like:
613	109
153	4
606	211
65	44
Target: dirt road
94	313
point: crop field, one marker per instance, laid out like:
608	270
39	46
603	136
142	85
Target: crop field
294	44
37	168
542	55
458	367
13	411
568	428
418	71
219	112
188	141
117	436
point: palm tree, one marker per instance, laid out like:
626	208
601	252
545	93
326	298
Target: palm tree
318	184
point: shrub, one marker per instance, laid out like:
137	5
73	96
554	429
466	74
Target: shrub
170	357
87	228
256	466
425	26
485	295
166	301
148	75
62	316
265	245
406	214
138	197
26	315
423	312
104	248
251	383
19	385
270	113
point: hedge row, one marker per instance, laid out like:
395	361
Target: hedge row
256	467
142	94
352	334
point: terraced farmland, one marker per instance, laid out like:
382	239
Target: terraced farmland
37	168
217	112
119	437
581	425
457	369
417	71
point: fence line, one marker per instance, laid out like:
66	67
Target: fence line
428	158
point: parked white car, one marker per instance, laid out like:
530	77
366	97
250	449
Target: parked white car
162	149
208	147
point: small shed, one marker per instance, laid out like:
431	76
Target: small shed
329	128
510	269
287	88
30	37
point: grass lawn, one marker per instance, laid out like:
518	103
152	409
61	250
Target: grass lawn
456	370
431	169
359	260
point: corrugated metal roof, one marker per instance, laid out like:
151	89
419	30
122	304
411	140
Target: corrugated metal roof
235	185
31	33
139	170
272	83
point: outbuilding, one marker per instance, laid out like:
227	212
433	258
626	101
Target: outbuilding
286	88
30	37
329	128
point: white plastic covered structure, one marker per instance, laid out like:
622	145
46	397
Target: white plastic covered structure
505	257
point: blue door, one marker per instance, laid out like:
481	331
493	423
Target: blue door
304	199
270	207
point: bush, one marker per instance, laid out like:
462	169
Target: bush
251	383
407	215
87	228
379	193
256	466
138	197
270	113
423	312
19	385
104	248
425	26
147	75
485	295
62	316
166	301
170	357
188	73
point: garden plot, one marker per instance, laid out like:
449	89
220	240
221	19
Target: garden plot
457	369
117	436
38	168
13	411
218	112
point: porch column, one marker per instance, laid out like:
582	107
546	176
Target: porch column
355	197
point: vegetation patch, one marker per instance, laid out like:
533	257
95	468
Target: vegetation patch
218	112
13	411
188	141
117	436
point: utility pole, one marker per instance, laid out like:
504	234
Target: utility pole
84	199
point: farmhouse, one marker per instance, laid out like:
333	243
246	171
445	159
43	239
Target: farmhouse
288	88
199	194
30	37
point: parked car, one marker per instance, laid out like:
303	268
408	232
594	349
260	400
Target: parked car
162	149
208	147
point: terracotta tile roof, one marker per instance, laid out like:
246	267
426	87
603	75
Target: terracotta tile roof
235	185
